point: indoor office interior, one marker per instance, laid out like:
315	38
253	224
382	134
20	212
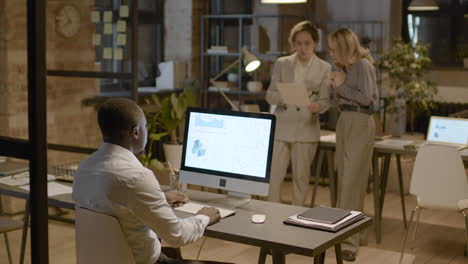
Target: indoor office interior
61	59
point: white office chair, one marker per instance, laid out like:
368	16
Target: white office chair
99	239
438	181
7	225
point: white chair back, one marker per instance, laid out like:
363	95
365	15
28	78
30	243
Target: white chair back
99	239
439	178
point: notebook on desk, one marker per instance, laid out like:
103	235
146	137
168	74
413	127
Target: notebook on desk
351	218
448	131
324	214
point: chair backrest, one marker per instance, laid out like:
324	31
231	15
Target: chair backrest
99	239
439	178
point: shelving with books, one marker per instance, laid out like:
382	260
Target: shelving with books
222	39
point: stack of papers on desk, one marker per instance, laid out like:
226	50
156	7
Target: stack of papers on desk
53	189
325	218
20	179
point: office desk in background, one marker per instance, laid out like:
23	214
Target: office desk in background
379	174
273	235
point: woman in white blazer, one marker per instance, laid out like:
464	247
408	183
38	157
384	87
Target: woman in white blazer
298	127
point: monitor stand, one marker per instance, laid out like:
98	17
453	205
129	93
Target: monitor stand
232	200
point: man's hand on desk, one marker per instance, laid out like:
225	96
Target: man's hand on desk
176	198
212	213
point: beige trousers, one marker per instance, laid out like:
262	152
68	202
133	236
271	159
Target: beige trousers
355	133
301	155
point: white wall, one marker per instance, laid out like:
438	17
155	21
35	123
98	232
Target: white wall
178	30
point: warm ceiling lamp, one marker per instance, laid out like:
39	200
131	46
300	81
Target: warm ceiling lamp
283	1
423	5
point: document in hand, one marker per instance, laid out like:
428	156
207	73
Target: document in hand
353	217
293	93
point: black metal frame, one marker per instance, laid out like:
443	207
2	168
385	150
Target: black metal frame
35	149
36	43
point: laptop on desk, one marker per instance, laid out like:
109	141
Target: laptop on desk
448	131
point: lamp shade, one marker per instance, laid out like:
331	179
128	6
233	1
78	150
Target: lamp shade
251	62
423	5
283	1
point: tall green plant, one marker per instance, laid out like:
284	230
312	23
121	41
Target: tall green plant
163	118
147	158
406	65
172	112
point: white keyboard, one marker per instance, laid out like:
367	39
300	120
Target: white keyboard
194	207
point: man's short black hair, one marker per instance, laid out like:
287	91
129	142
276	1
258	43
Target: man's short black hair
117	117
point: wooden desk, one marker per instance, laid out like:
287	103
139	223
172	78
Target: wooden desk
379	174
272	235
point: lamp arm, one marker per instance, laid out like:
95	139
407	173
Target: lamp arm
212	80
225	70
225	96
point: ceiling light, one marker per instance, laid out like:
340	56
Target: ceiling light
423	5
283	1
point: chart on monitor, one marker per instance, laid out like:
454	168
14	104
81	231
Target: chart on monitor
228	150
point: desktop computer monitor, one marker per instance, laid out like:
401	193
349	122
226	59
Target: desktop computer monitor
448	130
228	150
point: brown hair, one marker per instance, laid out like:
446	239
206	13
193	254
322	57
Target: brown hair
304	26
348	49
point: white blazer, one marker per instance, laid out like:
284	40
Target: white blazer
297	123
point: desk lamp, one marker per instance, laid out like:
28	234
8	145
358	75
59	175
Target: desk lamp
251	63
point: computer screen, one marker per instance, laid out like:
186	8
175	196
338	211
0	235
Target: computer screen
448	130
228	150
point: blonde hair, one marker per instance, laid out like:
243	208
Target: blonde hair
304	26
348	50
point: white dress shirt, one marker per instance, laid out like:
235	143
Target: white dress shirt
113	181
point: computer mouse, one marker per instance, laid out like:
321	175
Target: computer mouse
258	218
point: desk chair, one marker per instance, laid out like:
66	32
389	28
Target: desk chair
438	181
99	239
7	225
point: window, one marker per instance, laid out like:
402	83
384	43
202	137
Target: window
445	29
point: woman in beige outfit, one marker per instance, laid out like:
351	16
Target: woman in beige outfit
298	127
356	90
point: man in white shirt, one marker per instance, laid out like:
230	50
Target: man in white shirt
113	181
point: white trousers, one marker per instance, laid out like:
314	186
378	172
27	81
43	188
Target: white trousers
355	133
301	155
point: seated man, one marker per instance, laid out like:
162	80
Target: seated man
113	181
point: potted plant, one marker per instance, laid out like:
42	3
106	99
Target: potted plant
163	119
233	73
406	65
463	55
